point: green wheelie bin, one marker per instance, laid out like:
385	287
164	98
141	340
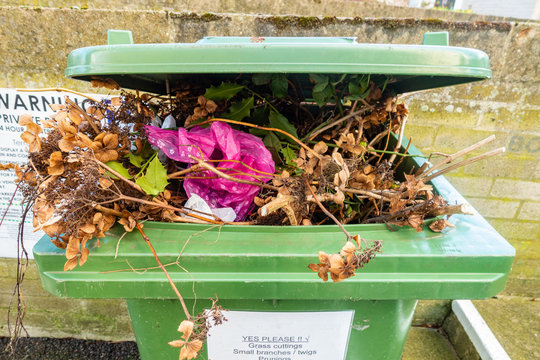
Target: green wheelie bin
277	307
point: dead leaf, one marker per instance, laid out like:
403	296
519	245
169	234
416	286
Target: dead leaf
188	349
25	119
416	222
105	183
440	225
106	83
116	101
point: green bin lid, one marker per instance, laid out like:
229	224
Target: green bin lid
147	67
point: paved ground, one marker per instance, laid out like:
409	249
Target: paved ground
70	349
422	344
514	320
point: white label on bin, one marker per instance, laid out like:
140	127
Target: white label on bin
253	335
13	104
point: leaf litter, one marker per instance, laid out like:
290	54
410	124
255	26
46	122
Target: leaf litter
329	143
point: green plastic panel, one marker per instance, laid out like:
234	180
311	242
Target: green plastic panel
470	261
378	332
148	67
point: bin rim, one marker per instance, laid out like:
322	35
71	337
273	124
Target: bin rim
148	67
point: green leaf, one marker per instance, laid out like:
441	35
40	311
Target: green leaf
318	78
279	121
136	160
259	116
279	85
364	81
323	96
261	79
155	179
119	168
339	80
272	141
258	132
321	82
357	92
225	91
289	155
239	110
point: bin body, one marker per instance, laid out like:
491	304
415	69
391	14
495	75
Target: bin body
264	268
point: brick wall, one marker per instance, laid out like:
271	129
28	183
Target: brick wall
506	190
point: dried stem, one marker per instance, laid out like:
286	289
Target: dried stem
60	90
328	213
377	194
183	172
337	122
454	156
318	156
88	118
147	239
276	204
465	162
202	220
400	139
228	177
109	211
127	181
465	209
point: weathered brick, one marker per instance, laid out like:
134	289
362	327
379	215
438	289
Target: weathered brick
471	186
504	165
495	208
526	249
516	230
507	118
431	312
452	139
530	211
10	266
526	269
522	287
524	143
514	189
442	114
422	136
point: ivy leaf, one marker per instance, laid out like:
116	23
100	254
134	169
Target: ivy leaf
323	96
321	81
279	121
259	116
239	110
136	160
119	168
289	155
155	179
261	79
272	141
279	85
225	91
339	80
357	92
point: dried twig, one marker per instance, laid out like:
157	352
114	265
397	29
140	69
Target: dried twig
147	240
118	175
318	156
228	177
60	90
337	122
328	213
400	140
465	162
454	156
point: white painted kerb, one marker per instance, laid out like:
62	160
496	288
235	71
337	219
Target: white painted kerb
486	344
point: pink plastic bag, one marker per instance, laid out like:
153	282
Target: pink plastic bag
218	142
